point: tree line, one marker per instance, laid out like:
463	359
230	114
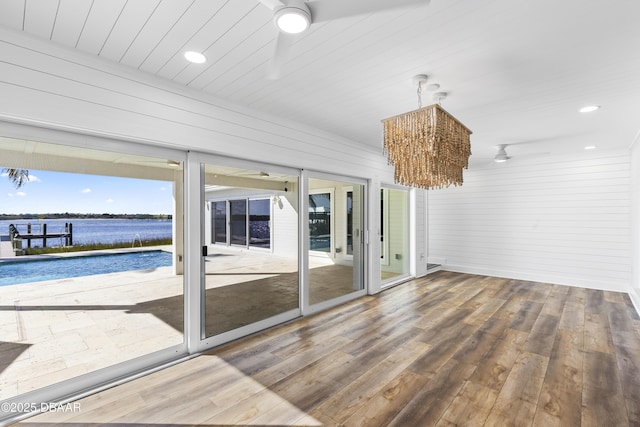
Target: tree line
68	215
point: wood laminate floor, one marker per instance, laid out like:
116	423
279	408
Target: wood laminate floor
448	349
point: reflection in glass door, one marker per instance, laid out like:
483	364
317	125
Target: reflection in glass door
336	243
260	223
394	235
250	274
219	222
238	223
320	224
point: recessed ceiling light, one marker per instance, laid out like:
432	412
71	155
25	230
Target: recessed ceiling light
590	147
589	108
195	57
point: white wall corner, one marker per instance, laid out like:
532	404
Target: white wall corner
634	291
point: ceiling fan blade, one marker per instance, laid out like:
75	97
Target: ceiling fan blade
271	4
326	10
280	55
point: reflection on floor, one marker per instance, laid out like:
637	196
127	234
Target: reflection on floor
56	330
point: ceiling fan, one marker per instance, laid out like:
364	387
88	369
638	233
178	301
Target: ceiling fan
259	174
293	17
502	156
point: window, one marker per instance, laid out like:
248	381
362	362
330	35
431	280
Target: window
238	222
320	222
251	230
259	223
219	219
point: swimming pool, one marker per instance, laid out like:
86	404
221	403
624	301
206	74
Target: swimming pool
15	272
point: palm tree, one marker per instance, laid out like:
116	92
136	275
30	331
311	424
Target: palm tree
19	177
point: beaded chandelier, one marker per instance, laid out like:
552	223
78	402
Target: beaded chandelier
428	147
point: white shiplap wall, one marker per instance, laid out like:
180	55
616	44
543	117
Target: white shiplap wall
559	221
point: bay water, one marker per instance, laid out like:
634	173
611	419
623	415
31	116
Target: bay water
91	231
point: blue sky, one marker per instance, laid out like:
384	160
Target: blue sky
56	192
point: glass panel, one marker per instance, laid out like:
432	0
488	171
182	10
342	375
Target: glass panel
259	223
219	222
394	238
238	222
99	278
320	222
245	286
336	259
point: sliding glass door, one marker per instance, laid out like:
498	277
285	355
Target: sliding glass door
250	259
254	246
394	235
91	278
335	240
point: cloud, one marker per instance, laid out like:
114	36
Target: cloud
86	190
109	200
21	193
10	194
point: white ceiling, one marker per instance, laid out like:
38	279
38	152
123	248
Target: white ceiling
516	71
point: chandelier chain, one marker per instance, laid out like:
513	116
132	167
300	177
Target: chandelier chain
419	95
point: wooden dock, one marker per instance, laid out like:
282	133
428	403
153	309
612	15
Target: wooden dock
17	237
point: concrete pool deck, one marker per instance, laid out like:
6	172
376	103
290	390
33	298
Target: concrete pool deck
59	329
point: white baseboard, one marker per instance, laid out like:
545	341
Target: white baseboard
580	282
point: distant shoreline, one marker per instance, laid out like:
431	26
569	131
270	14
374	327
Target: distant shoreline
82	216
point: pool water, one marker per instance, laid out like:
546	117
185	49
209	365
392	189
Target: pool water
15	272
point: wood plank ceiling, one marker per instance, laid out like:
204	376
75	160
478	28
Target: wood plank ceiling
516	72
